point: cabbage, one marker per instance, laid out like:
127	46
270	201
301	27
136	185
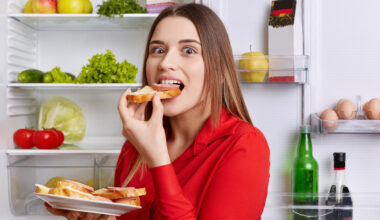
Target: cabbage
65	115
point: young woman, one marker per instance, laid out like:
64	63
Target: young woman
197	154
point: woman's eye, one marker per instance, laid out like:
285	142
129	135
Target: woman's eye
189	50
157	50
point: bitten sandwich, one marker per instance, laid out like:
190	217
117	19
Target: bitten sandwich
166	91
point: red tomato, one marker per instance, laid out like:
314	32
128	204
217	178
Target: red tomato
61	137
46	139
23	138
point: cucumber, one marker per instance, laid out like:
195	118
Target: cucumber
30	76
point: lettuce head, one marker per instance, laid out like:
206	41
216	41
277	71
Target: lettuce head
65	115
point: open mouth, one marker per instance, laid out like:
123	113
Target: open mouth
172	82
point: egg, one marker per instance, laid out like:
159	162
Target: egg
372	109
345	109
329	118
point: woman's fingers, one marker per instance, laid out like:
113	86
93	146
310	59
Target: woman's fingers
91	216
158	110
73	215
140	111
55	211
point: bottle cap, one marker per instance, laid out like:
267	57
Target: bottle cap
339	160
305	128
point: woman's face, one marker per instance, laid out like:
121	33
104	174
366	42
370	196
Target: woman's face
175	56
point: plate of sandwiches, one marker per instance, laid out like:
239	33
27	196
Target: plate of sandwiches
75	196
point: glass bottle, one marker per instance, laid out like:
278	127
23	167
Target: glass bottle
305	178
339	194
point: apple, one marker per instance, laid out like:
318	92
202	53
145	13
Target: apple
253	66
44	6
87	7
28	7
71	6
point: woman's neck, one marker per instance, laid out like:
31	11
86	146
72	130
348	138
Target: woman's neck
185	127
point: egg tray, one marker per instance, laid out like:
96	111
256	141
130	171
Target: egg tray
359	125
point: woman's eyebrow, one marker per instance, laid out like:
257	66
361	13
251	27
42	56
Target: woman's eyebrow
189	41
156	42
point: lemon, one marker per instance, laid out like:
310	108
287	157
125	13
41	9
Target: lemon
90	183
253	66
28	7
70	6
87	7
52	183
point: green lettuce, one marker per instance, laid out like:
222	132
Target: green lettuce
103	68
65	115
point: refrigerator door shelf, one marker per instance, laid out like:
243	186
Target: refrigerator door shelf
84	22
257	68
355	126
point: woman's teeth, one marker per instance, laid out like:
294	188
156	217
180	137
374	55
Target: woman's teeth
170	82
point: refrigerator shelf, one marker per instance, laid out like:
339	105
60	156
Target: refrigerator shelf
258	68
71	86
355	126
84	22
37	152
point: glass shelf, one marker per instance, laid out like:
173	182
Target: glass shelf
71	86
272	68
355	126
84	22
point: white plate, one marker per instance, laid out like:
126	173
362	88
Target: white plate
82	205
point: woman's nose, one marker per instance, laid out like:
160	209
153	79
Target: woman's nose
169	61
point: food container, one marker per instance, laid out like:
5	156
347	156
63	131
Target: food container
156	6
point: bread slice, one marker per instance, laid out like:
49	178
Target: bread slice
147	93
42	189
129	201
118	193
74	193
57	192
75	185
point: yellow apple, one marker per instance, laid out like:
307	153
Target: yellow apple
253	66
87	7
44	6
70	6
28	7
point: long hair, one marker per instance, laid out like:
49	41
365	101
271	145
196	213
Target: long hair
219	65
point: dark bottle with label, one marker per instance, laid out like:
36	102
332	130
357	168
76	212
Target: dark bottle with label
339	195
305	179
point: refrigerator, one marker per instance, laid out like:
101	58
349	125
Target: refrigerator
339	59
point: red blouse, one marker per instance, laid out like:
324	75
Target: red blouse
223	174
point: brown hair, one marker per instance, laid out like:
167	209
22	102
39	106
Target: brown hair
219	65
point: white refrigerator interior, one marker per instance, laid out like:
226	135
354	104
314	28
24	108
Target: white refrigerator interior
340	37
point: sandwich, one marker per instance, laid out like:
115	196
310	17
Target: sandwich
166	91
73	189
125	195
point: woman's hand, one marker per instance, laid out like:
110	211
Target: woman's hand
74	215
148	137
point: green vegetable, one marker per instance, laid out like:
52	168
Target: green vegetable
30	76
65	115
103	68
57	76
60	77
47	78
110	8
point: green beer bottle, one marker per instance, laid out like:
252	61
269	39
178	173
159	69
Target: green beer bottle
305	178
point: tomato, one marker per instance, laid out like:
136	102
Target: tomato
61	137
23	138
46	139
